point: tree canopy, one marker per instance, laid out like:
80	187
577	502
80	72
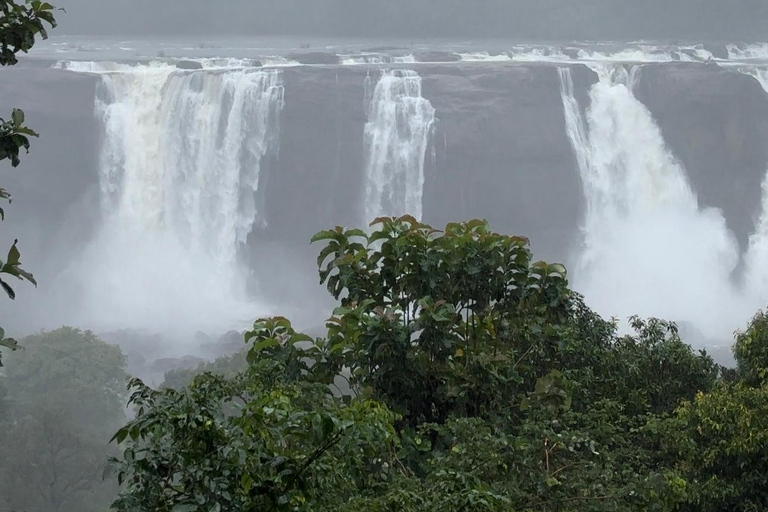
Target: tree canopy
456	374
64	400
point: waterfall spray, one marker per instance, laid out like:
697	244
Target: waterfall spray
648	248
180	164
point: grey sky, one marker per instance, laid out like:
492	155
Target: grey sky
516	19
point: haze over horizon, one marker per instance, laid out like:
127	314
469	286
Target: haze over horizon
619	20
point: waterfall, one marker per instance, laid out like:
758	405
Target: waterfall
180	164
397	134
756	258
648	248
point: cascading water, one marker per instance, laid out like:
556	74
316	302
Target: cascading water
648	247
756	258
180	164
397	135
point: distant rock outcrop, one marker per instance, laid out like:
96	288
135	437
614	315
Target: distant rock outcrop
719	51
189	64
434	56
314	58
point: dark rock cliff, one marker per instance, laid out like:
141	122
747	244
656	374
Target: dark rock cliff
499	151
716	122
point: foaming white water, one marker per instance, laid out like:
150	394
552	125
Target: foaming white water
276	61
180	164
644	54
357	60
758	73
758	51
484	57
756	258
397	134
648	247
526	54
83	66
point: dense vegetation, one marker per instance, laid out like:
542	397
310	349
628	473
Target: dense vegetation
455	375
64	397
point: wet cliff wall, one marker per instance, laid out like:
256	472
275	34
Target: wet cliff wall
498	151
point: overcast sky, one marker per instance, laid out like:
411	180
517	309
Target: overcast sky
515	19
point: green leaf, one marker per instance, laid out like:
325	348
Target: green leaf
8	289
184	507
9	343
17	117
323	235
355	232
13	255
327	251
26	275
380	220
268	343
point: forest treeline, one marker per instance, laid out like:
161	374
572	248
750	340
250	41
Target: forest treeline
620	20
456	374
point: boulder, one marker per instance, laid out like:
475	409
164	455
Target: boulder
189	64
435	56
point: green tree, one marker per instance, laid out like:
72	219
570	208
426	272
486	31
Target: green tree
65	399
267	439
439	323
20	25
722	448
751	350
50	464
73	371
226	366
507	394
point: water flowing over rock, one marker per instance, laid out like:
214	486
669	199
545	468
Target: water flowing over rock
397	135
180	169
756	258
648	248
211	181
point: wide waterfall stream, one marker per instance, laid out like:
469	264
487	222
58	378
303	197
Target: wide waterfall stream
179	170
643	228
197	167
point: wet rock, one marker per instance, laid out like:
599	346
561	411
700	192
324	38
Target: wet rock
432	56
716	122
719	51
189	64
314	58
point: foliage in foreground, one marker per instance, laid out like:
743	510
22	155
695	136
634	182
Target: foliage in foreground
478	382
20	24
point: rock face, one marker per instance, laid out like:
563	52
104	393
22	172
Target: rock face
499	151
716	122
719	51
436	56
56	187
